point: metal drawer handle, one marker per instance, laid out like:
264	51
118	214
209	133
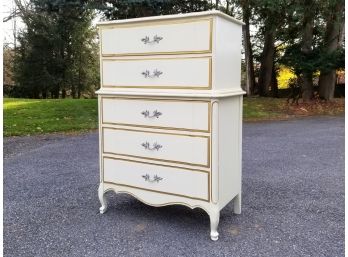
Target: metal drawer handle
155	74
155	178
156	39
155	146
155	114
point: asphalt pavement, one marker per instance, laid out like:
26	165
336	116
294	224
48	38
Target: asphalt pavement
292	200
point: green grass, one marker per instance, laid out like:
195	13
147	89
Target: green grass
261	108
33	116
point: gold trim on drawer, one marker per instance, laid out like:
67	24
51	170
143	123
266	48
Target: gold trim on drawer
163	86
195	198
156	23
158	159
161	100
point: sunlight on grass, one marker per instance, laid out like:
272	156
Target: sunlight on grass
8	104
262	108
28	117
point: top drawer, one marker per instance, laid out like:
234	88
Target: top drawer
165	37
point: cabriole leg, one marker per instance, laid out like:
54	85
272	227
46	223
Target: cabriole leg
214	222
102	199
237	204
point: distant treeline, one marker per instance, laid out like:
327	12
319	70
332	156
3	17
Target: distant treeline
56	55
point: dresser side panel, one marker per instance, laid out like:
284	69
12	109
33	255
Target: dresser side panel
227	55
229	149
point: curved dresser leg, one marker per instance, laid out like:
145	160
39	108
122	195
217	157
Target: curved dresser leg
102	199
214	222
237	204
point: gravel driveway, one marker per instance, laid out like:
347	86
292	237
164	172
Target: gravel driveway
293	200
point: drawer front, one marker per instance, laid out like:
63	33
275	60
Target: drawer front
176	148
157	38
157	178
157	113
169	73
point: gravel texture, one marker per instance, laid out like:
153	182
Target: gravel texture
292	201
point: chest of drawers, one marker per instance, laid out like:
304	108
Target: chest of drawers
170	111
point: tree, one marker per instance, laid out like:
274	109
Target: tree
57	51
332	48
249	62
7	67
8	83
309	12
270	17
300	51
125	9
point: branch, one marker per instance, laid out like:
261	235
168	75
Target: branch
12	15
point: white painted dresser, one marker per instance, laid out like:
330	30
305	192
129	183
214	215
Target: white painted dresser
170	111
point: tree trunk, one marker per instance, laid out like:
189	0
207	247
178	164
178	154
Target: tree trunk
327	83
267	57
55	93
274	83
327	78
63	93
249	64
73	91
306	49
307	87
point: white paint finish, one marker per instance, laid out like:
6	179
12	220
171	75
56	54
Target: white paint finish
189	115
186	93
214	215
174	147
176	37
173	180
227	54
229	149
100	136
211	13
176	72
102	199
224	177
215	152
156	199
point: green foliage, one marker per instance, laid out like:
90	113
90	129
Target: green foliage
299	61
33	116
125	9
58	53
318	58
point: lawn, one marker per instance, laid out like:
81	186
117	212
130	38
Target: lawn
32	116
263	108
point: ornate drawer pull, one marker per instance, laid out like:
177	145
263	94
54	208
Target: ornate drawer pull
156	73
156	39
155	146
155	114
155	178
